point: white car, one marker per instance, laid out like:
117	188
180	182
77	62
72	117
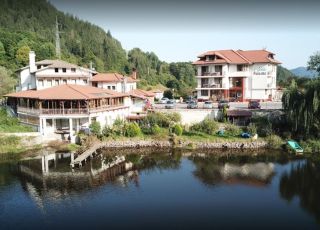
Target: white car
208	105
164	100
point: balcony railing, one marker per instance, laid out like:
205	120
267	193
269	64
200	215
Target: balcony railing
211	85
52	111
211	74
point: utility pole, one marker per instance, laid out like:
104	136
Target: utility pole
58	48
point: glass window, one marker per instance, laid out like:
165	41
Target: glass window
204	92
56	70
64	81
56	82
73	70
113	87
64	70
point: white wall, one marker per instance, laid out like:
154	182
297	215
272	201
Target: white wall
27	80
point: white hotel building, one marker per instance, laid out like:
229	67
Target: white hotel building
236	75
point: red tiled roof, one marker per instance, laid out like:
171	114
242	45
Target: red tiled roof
141	93
67	92
237	57
111	77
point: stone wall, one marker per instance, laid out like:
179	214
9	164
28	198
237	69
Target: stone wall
186	144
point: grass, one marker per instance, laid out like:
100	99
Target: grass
11	125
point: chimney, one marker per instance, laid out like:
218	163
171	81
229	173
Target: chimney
32	61
134	73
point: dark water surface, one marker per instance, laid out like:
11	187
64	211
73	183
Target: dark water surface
161	191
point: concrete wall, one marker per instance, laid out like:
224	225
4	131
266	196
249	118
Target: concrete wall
189	117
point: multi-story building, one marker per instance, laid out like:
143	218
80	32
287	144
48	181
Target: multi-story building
48	73
236	75
115	81
59	98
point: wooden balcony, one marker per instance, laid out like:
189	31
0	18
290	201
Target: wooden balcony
51	111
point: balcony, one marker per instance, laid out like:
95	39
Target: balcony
210	74
59	111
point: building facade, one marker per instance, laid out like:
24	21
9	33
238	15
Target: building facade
59	112
48	73
236	75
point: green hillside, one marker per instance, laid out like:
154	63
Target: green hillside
30	25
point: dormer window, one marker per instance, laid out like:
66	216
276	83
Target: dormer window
64	70
56	70
38	66
270	56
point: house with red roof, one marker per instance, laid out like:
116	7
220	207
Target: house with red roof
236	75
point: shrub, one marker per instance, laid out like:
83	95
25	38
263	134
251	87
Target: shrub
155	130
132	129
161	119
233	130
107	131
177	129
252	129
208	126
274	141
95	128
118	127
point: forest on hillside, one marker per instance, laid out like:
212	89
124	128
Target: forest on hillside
30	25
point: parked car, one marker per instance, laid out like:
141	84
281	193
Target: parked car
189	99
223	103
171	104
254	105
208	105
163	100
192	105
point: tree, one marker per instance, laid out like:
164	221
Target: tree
168	94
22	55
314	62
7	83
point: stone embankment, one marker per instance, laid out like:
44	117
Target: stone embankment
185	144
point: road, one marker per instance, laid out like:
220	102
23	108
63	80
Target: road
233	105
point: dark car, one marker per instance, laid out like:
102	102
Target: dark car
254	105
192	105
223	103
189	99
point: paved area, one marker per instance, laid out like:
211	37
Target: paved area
233	105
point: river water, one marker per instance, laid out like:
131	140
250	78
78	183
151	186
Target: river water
161	190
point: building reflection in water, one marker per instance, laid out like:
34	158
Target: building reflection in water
51	176
211	171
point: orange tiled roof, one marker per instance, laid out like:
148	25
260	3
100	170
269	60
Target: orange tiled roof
237	57
111	77
67	92
141	93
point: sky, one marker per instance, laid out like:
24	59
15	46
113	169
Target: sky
181	30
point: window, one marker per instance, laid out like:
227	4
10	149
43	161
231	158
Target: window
64	81
73	70
56	82
56	70
109	87
49	82
204	92
113	87
85	82
40	82
64	70
38	66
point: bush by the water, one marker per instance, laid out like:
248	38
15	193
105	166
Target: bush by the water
252	129
161	119
155	130
311	146
132	129
177	129
95	128
208	126
274	141
233	130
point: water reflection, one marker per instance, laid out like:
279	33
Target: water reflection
213	171
303	181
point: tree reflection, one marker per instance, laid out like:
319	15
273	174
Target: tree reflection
303	181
